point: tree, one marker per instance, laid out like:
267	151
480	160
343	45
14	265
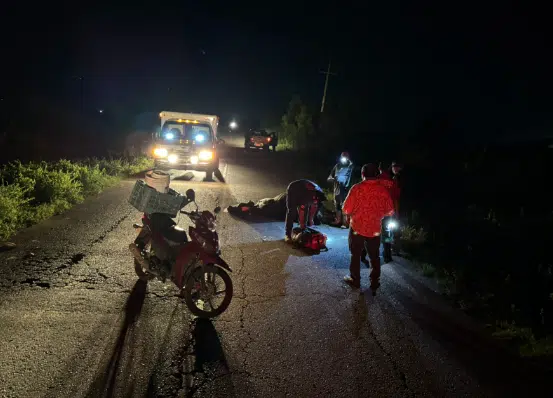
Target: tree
297	125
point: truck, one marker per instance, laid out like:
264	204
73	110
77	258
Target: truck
187	141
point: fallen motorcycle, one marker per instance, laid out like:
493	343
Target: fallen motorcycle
162	250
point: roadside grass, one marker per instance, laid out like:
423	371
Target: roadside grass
285	145
32	192
485	301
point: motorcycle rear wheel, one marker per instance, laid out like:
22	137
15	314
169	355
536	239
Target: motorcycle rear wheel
192	282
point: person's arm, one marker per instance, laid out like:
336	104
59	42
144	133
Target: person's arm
389	207
348	182
332	175
351	201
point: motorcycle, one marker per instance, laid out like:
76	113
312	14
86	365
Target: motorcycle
389	227
162	250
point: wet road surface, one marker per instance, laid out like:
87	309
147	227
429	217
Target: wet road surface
75	322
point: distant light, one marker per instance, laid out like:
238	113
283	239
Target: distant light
392	225
172	158
233	125
200	138
169	136
101	111
343	159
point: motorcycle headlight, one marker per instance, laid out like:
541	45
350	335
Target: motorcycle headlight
205	155
160	152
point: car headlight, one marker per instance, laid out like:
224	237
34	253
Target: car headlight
205	155
160	152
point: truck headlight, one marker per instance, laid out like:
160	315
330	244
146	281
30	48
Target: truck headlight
160	152
205	155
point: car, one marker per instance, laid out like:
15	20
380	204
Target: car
258	139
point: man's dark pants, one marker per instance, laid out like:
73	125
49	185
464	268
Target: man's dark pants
291	216
357	244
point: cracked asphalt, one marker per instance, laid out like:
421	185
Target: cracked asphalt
75	321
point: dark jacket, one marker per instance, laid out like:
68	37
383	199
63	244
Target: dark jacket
303	192
341	176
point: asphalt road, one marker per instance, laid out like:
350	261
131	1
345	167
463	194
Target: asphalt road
74	321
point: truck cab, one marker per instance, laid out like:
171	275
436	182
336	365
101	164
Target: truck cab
187	141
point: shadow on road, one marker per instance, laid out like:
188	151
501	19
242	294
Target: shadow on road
196	365
208	350
104	384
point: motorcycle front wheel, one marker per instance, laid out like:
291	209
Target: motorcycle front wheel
210	298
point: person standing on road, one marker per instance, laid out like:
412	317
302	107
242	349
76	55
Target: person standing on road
384	177
303	198
396	188
396	169
340	175
274	141
388	182
368	202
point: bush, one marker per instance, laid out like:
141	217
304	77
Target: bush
32	192
413	234
12	200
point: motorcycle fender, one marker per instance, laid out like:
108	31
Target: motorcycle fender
222	263
190	250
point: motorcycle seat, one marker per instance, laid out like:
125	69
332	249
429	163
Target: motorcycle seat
175	234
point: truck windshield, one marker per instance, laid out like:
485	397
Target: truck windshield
186	131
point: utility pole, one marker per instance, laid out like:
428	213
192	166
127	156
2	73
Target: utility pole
327	73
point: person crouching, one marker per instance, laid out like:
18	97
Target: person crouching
303	198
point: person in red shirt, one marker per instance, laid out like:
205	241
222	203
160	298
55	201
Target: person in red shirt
386	179
367	203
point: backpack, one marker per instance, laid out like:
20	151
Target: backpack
309	239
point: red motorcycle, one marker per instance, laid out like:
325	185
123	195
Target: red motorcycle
162	250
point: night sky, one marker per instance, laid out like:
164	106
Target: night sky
487	68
